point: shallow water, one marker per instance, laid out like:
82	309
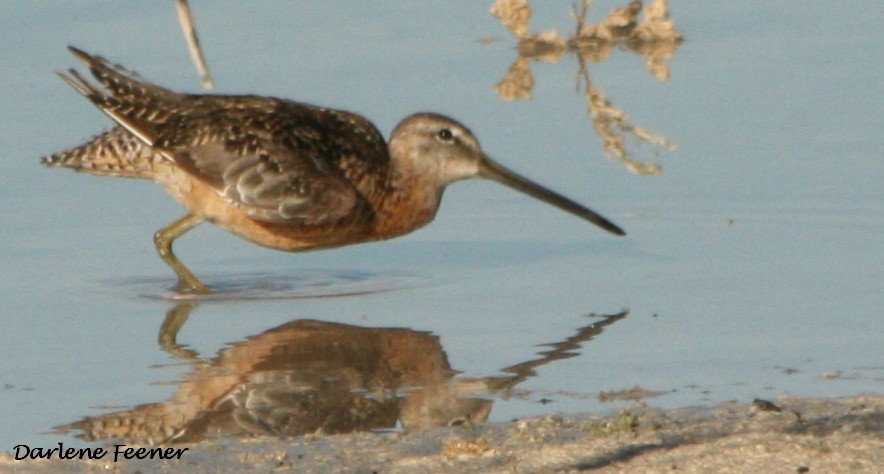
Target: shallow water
754	264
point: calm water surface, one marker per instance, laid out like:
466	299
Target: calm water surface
754	265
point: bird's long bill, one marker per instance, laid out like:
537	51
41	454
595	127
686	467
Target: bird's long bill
491	170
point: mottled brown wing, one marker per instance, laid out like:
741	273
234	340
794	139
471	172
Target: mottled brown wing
127	86
274	160
271	181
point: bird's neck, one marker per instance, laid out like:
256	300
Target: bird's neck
411	202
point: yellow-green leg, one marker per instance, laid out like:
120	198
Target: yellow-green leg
167	339
187	283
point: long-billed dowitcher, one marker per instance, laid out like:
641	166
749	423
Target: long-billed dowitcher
282	174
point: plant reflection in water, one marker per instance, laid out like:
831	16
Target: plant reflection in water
653	37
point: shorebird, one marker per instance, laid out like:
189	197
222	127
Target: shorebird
281	174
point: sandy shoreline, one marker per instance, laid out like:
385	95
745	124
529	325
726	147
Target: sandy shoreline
805	435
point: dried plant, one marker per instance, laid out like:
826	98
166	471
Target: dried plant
518	82
653	37
618	25
514	14
612	125
656	39
185	18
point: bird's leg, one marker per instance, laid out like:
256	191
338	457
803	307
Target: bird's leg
175	319
187	283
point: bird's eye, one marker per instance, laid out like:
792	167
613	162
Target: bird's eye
445	135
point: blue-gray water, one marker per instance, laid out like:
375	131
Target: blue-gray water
754	265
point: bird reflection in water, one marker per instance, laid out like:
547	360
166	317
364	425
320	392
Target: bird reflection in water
314	377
